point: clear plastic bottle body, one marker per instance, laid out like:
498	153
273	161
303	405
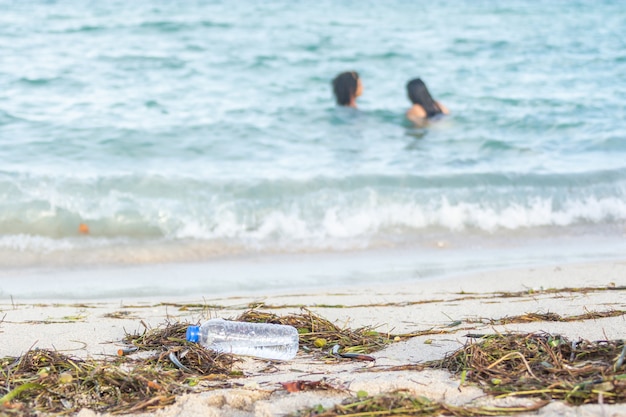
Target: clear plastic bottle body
261	340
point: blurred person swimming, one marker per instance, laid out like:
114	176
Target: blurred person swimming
424	106
347	87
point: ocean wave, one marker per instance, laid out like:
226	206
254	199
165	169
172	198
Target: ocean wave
325	222
313	226
316	213
144	122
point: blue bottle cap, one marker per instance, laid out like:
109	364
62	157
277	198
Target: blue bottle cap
193	333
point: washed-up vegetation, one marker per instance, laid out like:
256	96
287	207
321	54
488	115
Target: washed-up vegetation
51	382
542	365
534	317
463	296
403	403
537	367
157	365
153	368
317	334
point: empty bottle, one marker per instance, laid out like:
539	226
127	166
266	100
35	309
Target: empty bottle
262	340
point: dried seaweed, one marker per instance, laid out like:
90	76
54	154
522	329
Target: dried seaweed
540	366
544	366
122	314
172	345
318	334
51	382
402	403
320	385
534	317
43	380
172	334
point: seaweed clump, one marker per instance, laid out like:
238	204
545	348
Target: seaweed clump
403	403
167	365
317	333
51	382
542	366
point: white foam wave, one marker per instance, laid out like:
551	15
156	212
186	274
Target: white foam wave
47	245
537	213
42	244
307	222
377	217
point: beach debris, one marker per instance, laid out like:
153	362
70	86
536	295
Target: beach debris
312	330
319	385
402	402
269	341
535	317
464	296
52	382
358	356
127	351
316	332
162	337
620	359
170	341
172	356
542	365
320	342
123	314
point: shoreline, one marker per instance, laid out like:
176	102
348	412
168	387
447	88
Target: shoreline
256	274
470	303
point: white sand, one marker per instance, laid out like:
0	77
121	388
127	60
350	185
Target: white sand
83	329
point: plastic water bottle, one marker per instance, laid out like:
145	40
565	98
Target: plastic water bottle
262	340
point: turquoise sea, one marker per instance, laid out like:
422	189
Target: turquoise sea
200	144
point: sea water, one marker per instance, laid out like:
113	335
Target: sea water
200	141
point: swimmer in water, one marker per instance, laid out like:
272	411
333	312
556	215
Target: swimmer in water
347	87
424	106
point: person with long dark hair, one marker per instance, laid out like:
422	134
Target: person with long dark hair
424	106
347	87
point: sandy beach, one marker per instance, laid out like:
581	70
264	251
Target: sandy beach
456	306
164	163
